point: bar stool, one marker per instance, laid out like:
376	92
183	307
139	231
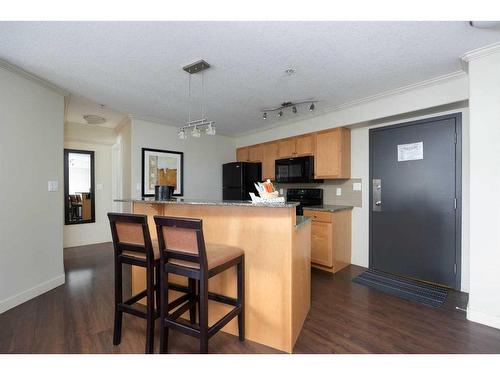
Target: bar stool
133	246
183	252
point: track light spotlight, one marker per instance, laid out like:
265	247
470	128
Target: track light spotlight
264	116
294	109
280	113
311	107
182	134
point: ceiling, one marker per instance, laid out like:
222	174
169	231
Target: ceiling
79	106
136	67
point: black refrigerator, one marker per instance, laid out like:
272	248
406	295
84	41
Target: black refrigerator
238	180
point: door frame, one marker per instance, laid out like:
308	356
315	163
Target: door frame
458	186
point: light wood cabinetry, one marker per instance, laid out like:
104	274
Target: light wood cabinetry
333	154
255	153
242	154
321	243
331	150
286	148
269	156
304	145
330	239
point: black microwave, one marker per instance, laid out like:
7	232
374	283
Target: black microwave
295	170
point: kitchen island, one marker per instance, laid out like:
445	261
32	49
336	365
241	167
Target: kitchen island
277	248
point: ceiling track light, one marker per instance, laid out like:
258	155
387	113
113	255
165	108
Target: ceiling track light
196	125
292	105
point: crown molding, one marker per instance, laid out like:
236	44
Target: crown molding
328	110
32	77
481	52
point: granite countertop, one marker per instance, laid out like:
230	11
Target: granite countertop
211	202
301	220
328	208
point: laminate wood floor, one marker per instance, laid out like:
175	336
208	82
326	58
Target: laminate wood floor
345	318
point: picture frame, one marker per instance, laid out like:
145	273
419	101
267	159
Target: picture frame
159	164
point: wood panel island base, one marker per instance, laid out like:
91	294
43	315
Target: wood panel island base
277	249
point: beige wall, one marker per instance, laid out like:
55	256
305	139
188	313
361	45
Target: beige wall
31	220
484	297
203	157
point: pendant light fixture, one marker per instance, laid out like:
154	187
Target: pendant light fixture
196	125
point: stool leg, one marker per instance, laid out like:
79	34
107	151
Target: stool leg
192	309
117	332
157	287
150	319
163	309
240	269
203	314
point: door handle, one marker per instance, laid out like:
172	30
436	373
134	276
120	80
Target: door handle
377	195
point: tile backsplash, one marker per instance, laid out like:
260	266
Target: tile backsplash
348	197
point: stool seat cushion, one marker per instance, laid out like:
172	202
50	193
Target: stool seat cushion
156	252
216	255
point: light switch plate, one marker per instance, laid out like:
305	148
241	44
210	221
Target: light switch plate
138	186
98	186
53	186
356	186
339	192
281	191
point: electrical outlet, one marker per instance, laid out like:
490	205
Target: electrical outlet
356	186
98	186
339	192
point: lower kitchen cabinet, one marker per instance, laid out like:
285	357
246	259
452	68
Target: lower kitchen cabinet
330	239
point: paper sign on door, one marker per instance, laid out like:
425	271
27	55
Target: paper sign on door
411	151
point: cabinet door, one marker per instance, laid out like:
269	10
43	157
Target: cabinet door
255	153
322	243
333	154
269	156
242	154
327	161
304	145
286	148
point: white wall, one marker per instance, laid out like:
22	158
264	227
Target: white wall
90	233
203	157
484	297
31	219
405	104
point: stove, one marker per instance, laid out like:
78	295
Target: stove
305	197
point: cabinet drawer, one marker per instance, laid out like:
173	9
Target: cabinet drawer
321	243
322	216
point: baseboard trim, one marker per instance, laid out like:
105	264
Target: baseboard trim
31	293
482	318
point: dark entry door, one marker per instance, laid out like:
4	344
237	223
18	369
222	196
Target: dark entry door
415	199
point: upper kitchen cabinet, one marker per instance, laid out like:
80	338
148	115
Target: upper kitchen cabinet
333	154
255	153
286	148
242	154
269	156
305	144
